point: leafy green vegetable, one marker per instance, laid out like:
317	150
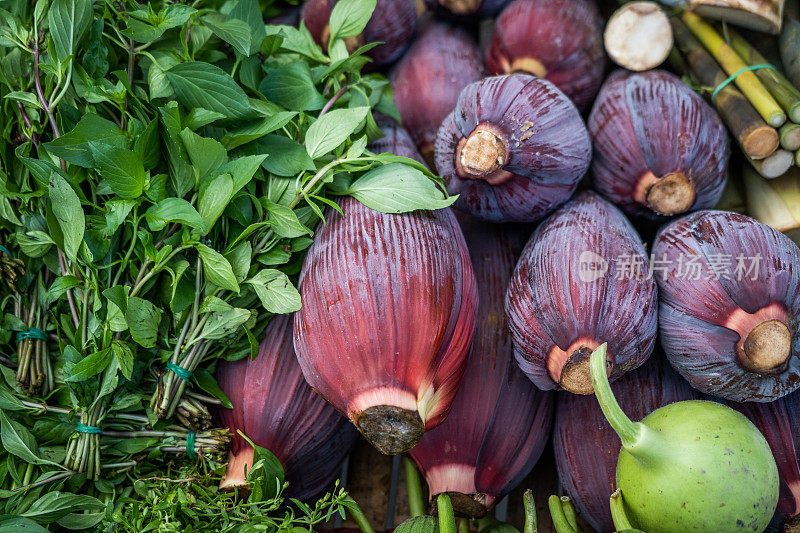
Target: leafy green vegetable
162	171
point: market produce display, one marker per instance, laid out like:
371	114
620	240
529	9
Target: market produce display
454	266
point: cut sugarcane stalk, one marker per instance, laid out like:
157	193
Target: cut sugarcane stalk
781	89
756	138
775	202
790	136
761	15
732	64
638	36
775	165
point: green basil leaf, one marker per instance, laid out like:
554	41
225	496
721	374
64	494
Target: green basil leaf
68	212
19	441
173	210
234	32
198	84
291	86
59	287
284	221
332	129
276	292
203	379
34	243
24	97
222	323
125	358
242	169
257	129
147	146
122	169
398	188
239	258
199	117
250	12
298	40
118	295
90	366
143	318
350	17
19	524
205	154
54	505
214	199
75	145
287	157
217	269
69	20
253	344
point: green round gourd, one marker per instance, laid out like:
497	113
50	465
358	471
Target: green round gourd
691	465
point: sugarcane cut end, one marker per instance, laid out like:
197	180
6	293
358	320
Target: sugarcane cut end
390	429
464	505
671	195
638	36
768	347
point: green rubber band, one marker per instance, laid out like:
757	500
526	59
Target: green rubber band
179	371
32	333
5	251
735	75
81	428
190	445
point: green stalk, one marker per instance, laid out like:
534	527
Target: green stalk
530	513
747	81
569	512
776	83
630	433
416	503
463	525
789	134
560	521
620	519
447	520
358	516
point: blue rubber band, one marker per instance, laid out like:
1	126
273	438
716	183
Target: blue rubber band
735	75
32	333
190	445
179	371
81	428
5	251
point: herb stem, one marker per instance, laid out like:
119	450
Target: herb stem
40	94
40	482
333	100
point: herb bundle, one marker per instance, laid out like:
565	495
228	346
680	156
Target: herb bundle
162	171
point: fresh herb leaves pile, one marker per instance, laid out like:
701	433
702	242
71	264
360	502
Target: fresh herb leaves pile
162	171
